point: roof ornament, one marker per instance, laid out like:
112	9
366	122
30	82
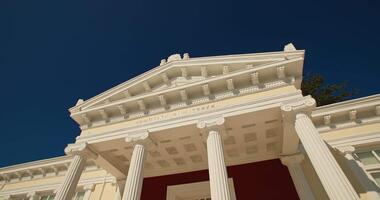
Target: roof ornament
186	56
290	47
163	62
79	102
174	57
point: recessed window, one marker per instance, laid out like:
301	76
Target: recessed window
367	158
376	176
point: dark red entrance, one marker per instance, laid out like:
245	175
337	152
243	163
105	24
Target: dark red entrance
260	180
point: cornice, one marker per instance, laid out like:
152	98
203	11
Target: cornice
36	164
205	81
119	102
193	62
347	114
83	183
36	169
344	106
188	101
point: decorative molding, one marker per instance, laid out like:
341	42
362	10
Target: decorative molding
192	117
306	106
85	122
142	138
54	186
292	159
82	149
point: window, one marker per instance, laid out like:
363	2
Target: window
376	176
78	196
47	197
371	162
368	158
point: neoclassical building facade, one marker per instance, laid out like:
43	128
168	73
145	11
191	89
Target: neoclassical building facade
220	127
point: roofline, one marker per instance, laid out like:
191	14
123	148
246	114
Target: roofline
168	64
347	105
35	164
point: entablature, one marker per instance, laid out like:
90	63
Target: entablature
39	169
347	114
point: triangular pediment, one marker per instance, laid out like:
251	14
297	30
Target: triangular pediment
178	72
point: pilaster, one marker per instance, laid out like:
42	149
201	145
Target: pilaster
293	162
87	191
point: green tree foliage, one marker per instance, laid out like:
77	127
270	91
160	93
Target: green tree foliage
324	93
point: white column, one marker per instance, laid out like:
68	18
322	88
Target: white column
87	191
68	187
81	152
293	162
372	191
217	167
331	175
133	185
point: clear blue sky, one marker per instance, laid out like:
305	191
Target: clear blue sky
54	52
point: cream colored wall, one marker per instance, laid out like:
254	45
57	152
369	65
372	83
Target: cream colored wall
103	191
185	111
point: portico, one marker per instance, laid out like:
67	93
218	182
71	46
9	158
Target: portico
205	114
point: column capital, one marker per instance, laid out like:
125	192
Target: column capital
211	122
345	149
292	159
305	106
141	138
89	187
82	149
214	123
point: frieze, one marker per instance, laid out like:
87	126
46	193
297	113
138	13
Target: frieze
176	114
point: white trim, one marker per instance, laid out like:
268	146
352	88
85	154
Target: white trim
251	106
177	192
227	59
56	185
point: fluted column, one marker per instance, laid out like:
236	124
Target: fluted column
87	191
372	191
293	162
72	176
331	175
81	152
133	185
213	127
217	167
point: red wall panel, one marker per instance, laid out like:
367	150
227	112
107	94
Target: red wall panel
260	180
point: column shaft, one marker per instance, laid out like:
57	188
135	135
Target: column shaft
217	167
331	175
133	185
68	187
